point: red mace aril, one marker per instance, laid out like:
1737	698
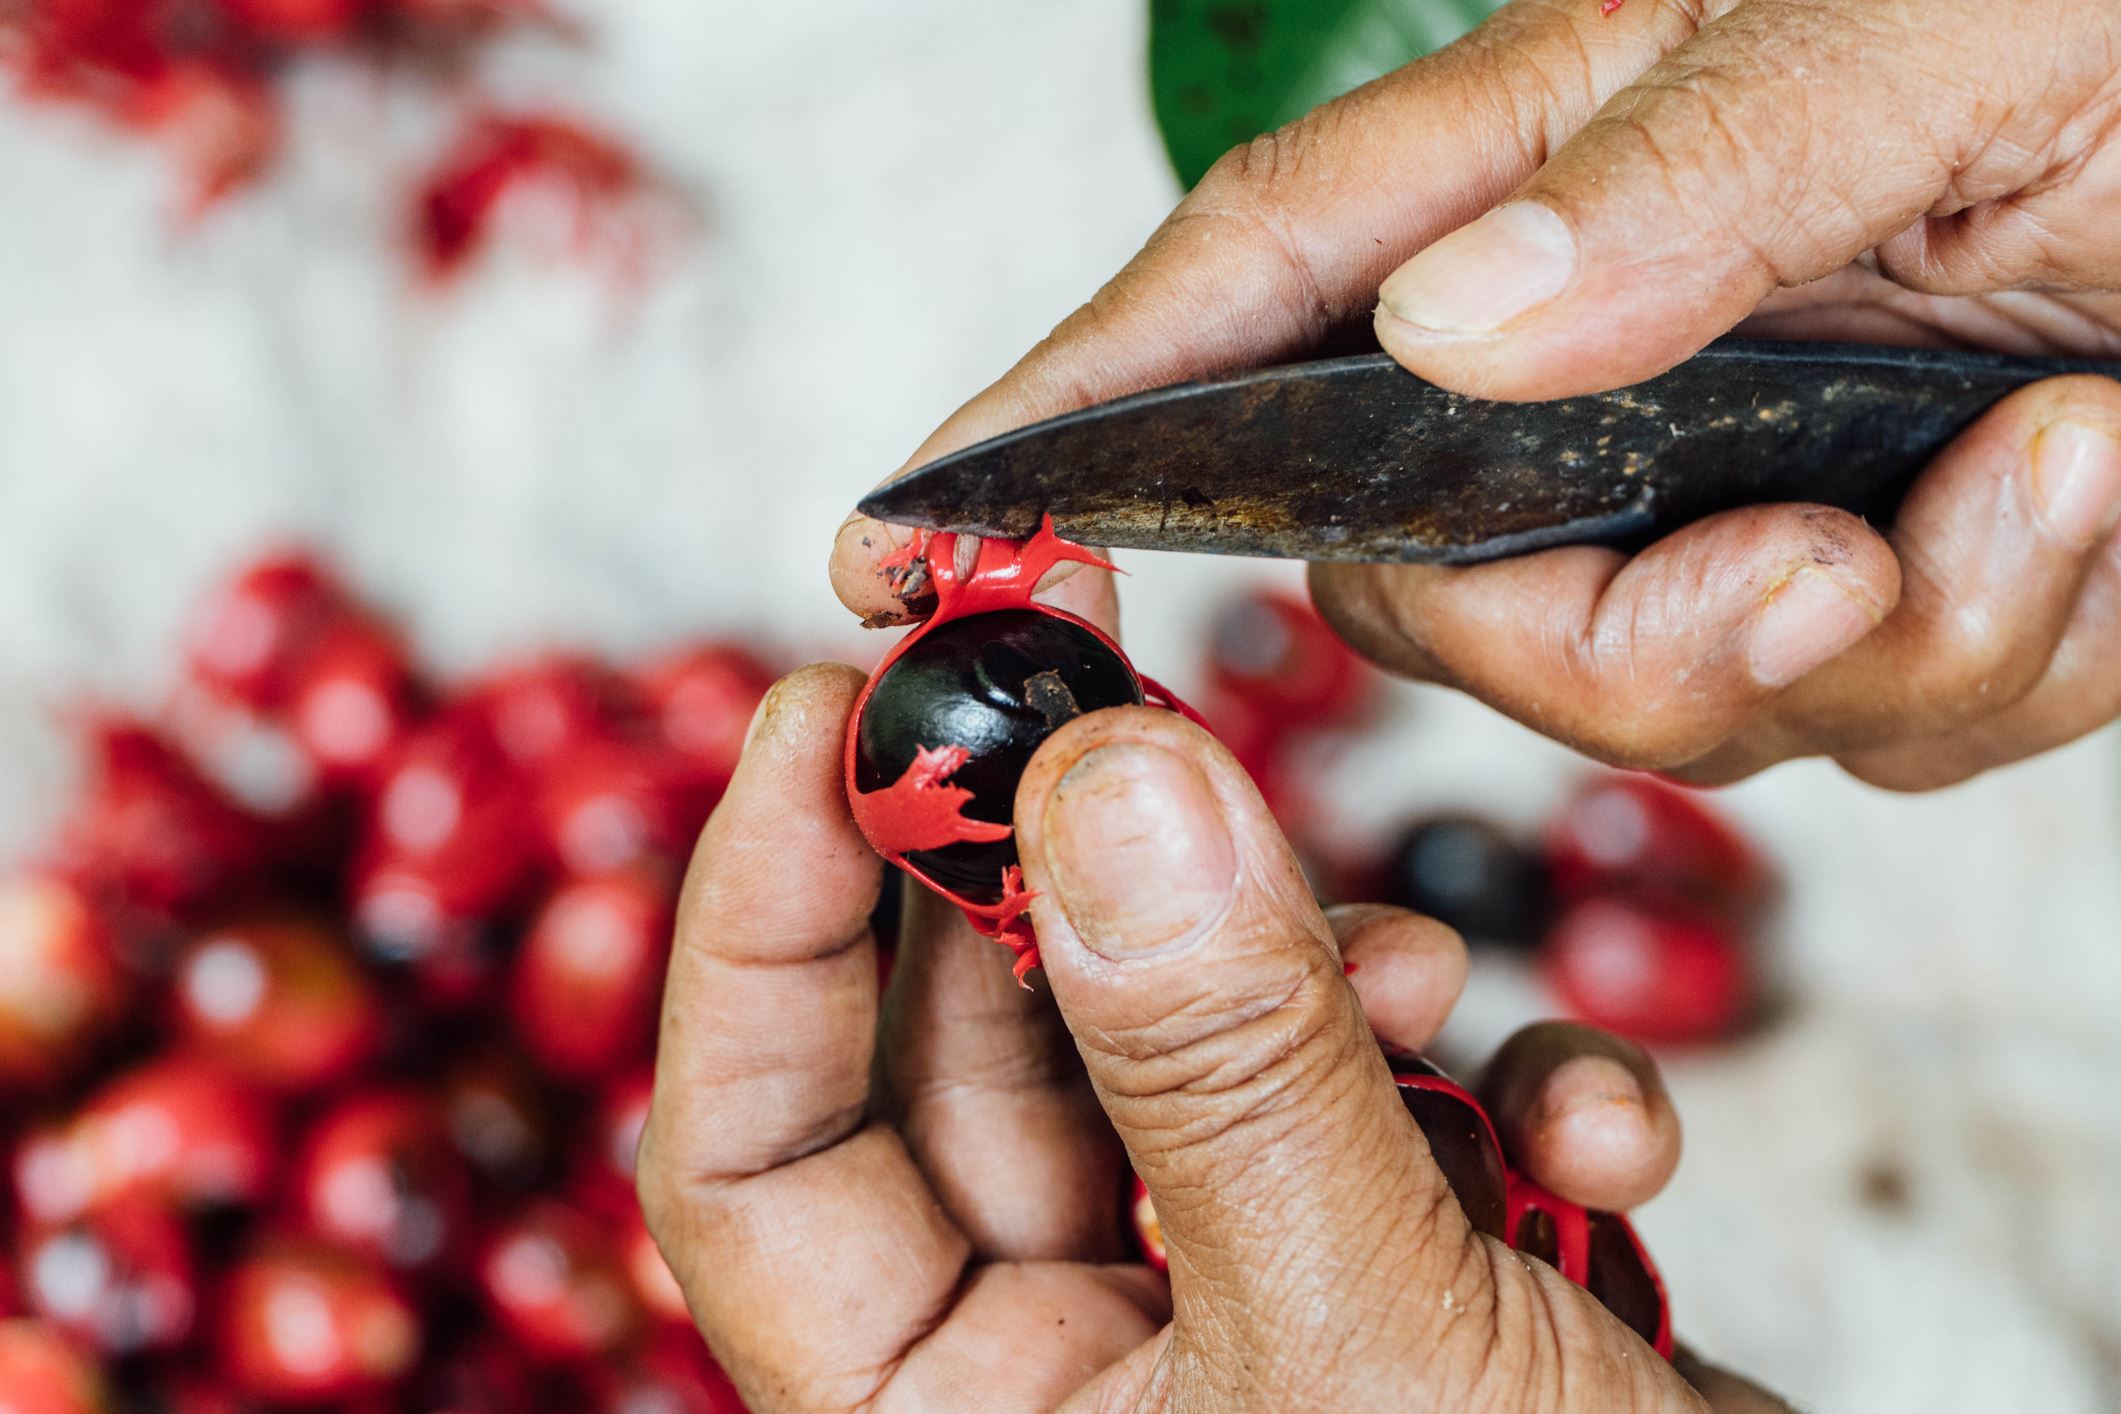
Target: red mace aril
942	732
250	637
1634	833
583	985
1654	971
353	703
279	999
552	1278
451	805
1273	650
1599	1252
703	699
220	125
584	179
40	1373
179	1128
1148	1229
1462	1141
120	1281
378	1176
614	804
149	829
61	987
305	1324
295	21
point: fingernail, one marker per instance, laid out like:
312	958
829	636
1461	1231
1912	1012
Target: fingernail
2077	481
1139	857
1475	280
1807	621
1586	1082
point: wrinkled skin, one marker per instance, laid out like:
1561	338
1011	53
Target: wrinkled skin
915	1203
1912	171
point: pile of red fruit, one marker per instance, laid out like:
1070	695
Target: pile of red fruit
204	79
1639	905
326	1025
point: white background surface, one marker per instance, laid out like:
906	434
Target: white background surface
894	201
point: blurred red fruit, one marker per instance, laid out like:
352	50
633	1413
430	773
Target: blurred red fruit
605	1179
295	21
704	698
305	1325
251	636
1656	972
41	1374
672	1374
588	177
612	804
1273	650
583	986
1148	1229
378	1176
61	986
1633	832
177	1128
553	1278
483	1373
451	807
220	124
247	755
354	701
149	829
120	1281
279	999
540	712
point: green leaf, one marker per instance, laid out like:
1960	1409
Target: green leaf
1222	72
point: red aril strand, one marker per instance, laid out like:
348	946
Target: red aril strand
120	1281
587	183
582	987
1633	833
552	1278
377	1176
306	1324
61	985
180	1129
1654	971
42	1374
280	999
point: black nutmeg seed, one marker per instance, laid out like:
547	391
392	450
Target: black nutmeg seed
996	684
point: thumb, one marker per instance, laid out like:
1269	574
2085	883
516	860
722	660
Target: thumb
1777	145
1203	989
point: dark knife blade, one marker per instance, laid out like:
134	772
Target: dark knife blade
1356	459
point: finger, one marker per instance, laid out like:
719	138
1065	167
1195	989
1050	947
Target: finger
1995	543
983	1080
1407	970
1203	989
781	1211
1650	661
1771	149
1584	1113
2079	694
1725	1392
1286	239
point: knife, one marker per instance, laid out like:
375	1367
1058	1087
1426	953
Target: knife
1357	459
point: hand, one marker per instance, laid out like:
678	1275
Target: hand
922	1209
1930	171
